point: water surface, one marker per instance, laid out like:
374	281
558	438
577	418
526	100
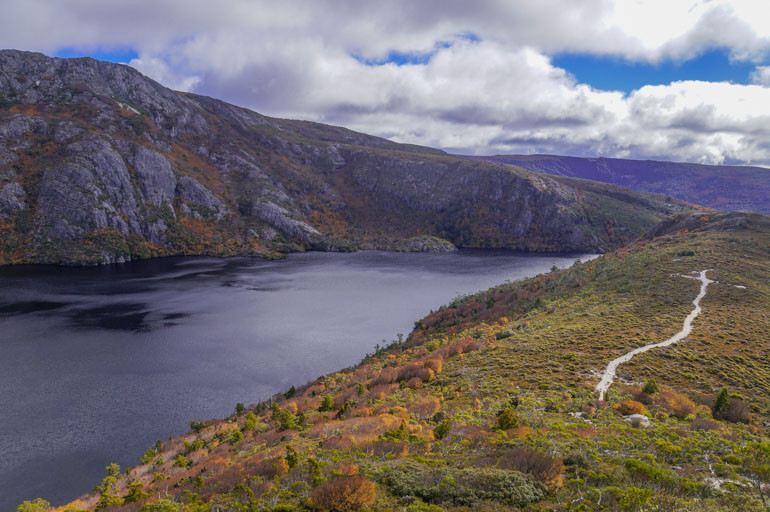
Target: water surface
99	363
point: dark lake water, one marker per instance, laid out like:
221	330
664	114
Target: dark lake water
99	363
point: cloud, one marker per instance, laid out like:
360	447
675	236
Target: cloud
471	77
761	76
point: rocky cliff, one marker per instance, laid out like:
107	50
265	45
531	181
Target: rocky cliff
98	163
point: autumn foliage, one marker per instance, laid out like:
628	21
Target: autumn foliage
343	494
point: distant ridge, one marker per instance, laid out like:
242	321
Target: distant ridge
723	187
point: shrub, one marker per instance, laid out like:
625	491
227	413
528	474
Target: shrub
281	507
239	409
150	454
507	419
251	421
161	506
463	486
135	493
738	412
442	429
235	437
420	506
721	405
343	494
543	467
651	387
36	505
181	461
327	404
627	407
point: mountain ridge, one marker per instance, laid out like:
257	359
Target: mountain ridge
722	187
100	164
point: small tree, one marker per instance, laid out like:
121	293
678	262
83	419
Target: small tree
107	493
721	405
135	493
442	429
239	409
327	404
292	457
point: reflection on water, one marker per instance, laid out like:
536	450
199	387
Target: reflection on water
99	363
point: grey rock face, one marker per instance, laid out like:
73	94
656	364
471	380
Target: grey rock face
69	204
21	124
156	178
12	198
6	156
193	192
277	217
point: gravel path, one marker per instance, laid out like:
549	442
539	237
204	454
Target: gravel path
609	374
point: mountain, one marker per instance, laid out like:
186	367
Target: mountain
492	402
721	187
100	164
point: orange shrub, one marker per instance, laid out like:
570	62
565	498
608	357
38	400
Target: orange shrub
436	364
627	407
343	494
676	403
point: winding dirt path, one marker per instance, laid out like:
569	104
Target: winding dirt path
609	374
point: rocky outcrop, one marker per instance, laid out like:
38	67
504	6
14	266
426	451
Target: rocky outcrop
108	165
12	198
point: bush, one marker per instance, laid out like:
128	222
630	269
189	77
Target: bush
442	429
543	467
135	493
36	505
651	387
421	506
327	404
463	486
235	437
161	506
721	405
507	419
627	407
181	462
343	494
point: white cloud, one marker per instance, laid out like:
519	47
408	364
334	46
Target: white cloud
501	94
761	76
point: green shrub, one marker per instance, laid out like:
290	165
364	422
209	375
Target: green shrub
463	486
442	429
420	506
507	419
36	505
135	493
651	387
327	404
181	462
235	437
161	506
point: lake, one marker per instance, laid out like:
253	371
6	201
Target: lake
98	363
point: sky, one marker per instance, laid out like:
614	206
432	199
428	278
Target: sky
684	80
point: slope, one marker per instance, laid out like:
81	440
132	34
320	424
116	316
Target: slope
491	402
723	187
101	164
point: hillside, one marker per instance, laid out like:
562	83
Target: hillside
101	164
723	187
491	403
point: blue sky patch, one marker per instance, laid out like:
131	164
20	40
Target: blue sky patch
109	54
405	58
611	73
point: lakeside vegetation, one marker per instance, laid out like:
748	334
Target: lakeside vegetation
489	404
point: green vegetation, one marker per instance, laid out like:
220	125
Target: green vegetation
459	417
